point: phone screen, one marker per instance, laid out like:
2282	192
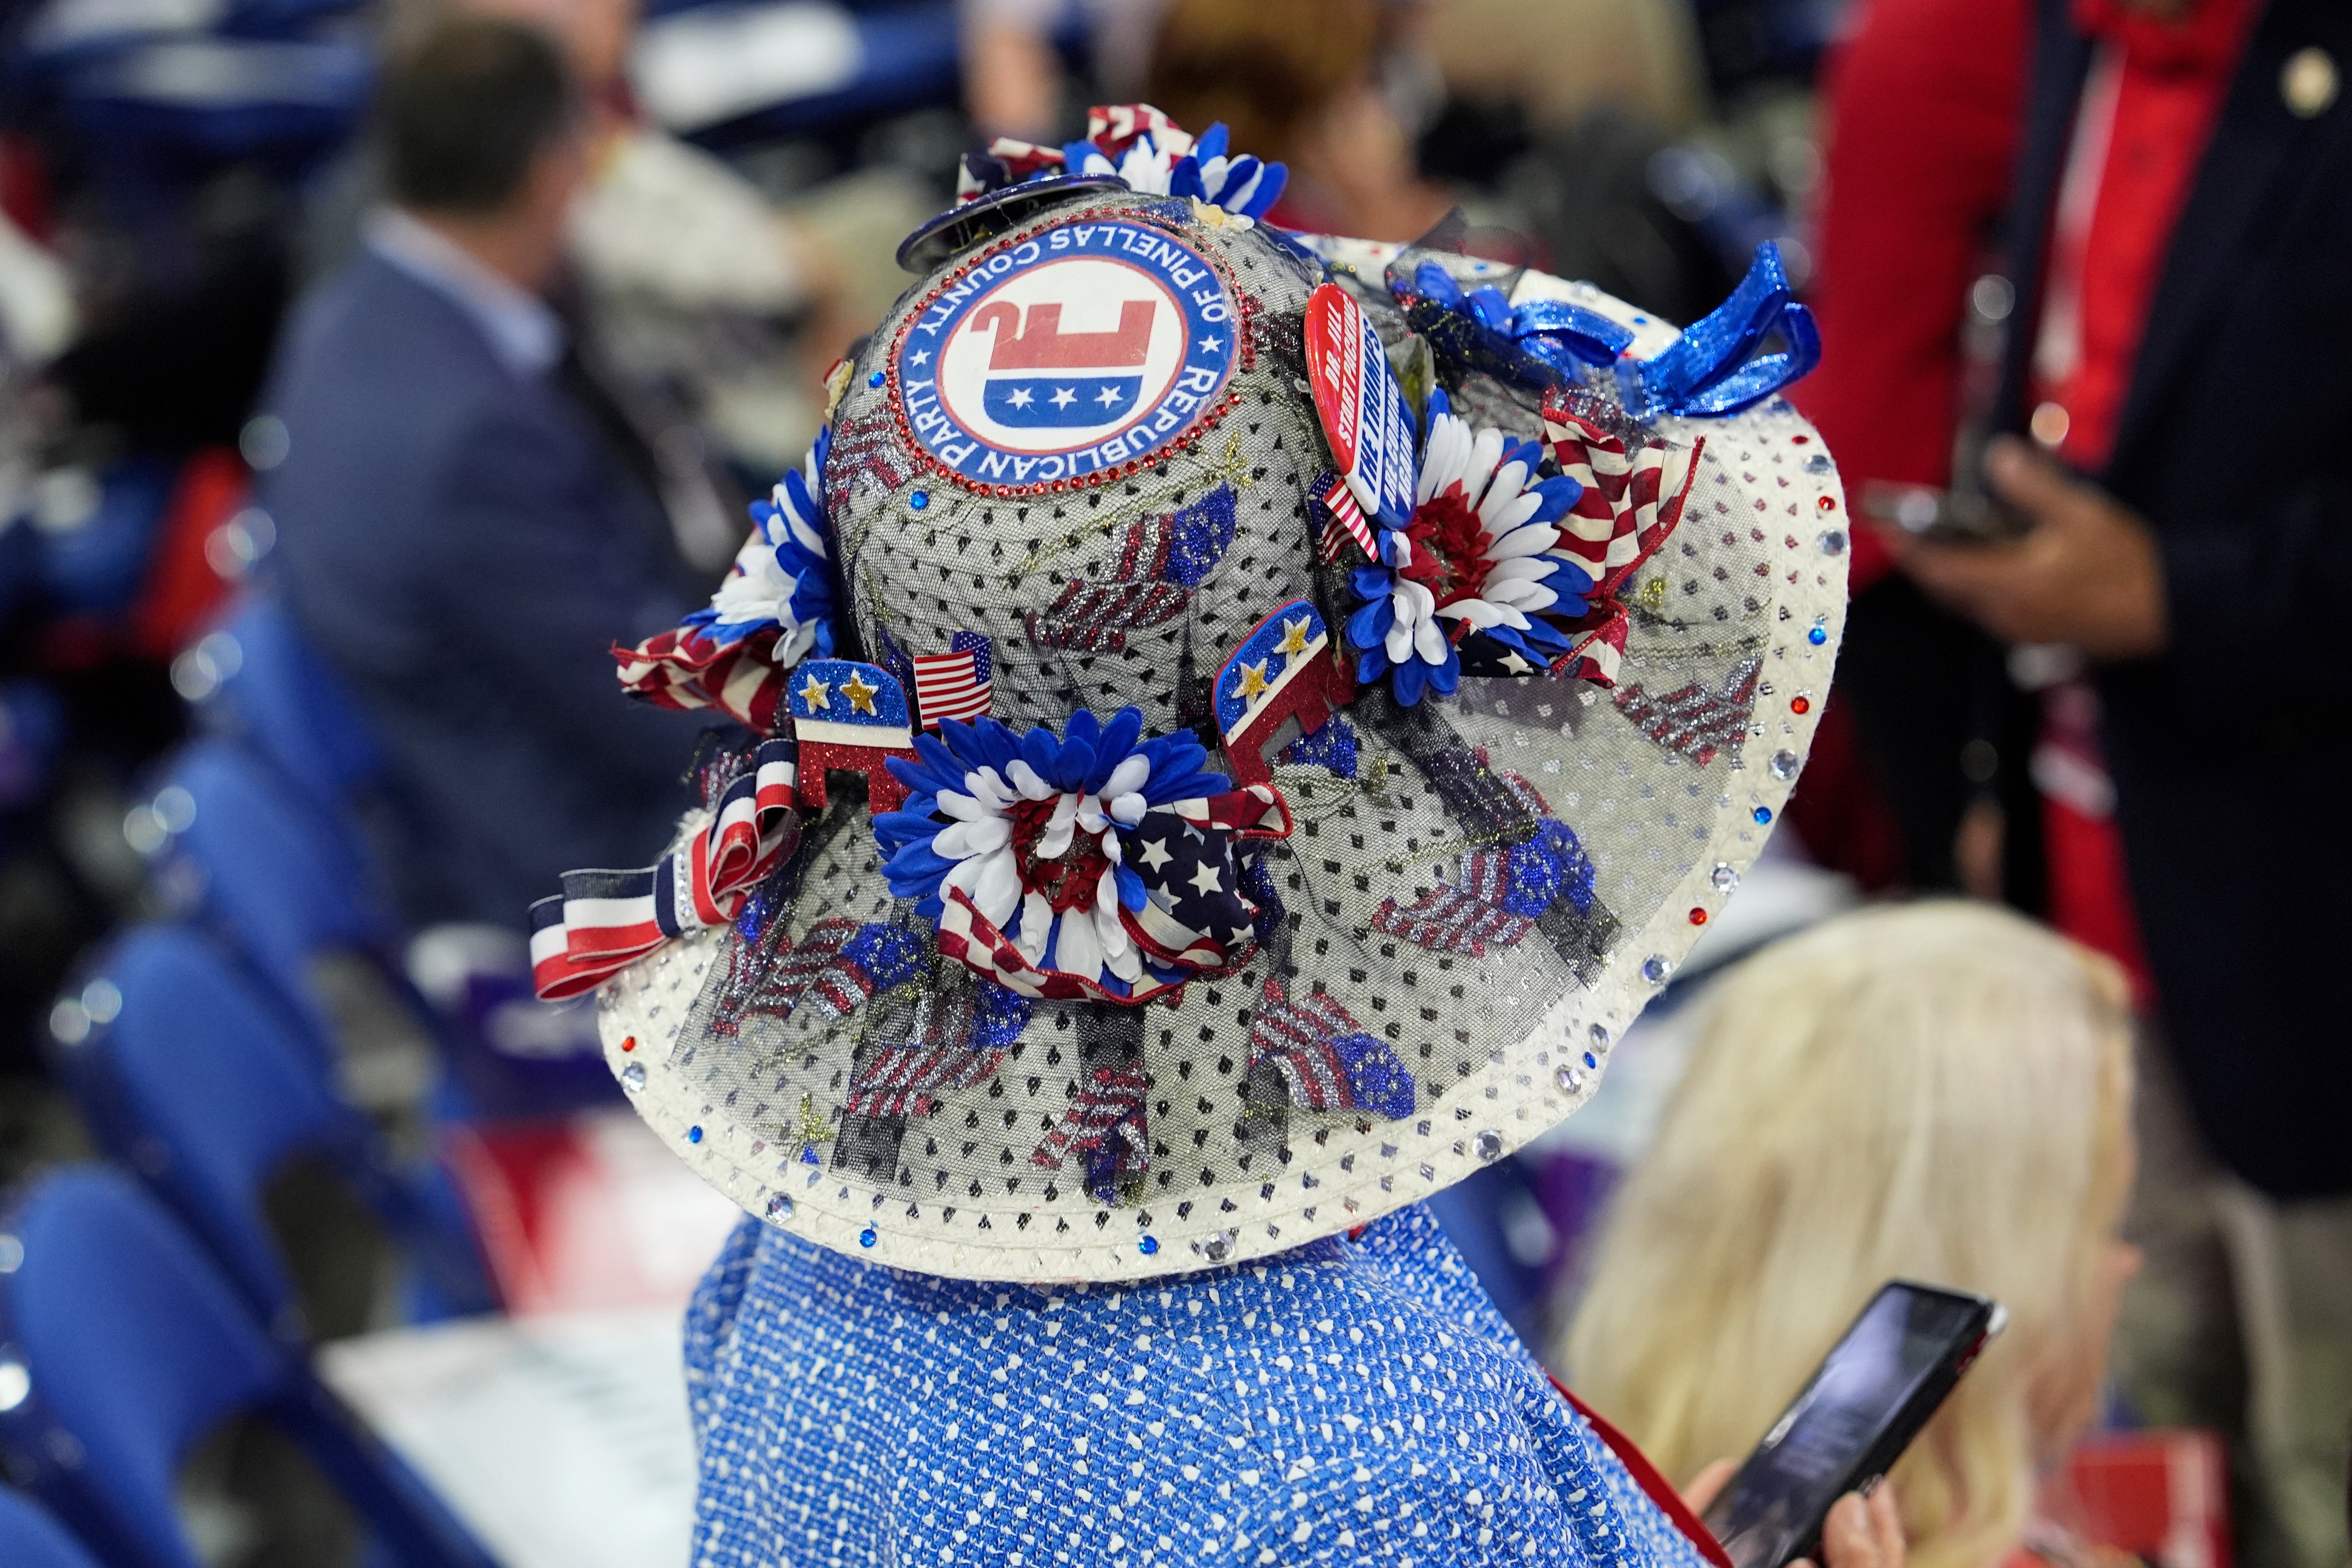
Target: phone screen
1862	1390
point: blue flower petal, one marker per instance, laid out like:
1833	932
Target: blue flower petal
1211	143
1130	887
1118	739
1368	627
1369	667
1271	179
1184	179
1083	726
1071	766
1408	681
1445	677
1370	582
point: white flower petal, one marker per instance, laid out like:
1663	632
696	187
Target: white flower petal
997	890
1522	542
1429	642
1502	493
1128	777
962	808
1477	612
960	839
1129	809
1512	513
1076	949
1521	595
1521	569
1036	925
1025	779
1485	452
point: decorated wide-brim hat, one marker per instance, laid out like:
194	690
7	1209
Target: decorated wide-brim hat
1227	729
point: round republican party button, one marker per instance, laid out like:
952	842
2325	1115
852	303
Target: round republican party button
1067	354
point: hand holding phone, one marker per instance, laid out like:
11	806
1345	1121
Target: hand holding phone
1865	1402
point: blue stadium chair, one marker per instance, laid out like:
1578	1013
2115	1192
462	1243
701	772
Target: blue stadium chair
192	102
203	1082
125	1347
258	680
29	1538
282	879
289	885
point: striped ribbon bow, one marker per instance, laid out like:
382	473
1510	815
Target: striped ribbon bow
604	921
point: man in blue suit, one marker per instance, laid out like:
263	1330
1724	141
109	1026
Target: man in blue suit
466	528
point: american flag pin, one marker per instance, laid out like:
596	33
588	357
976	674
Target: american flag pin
955	684
851	716
1282	670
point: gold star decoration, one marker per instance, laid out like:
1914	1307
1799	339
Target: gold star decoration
1253	681
860	695
1294	638
816	694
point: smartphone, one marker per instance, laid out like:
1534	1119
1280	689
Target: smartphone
1865	1402
1946	517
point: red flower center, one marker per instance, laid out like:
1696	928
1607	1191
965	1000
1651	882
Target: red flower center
1449	547
1068	881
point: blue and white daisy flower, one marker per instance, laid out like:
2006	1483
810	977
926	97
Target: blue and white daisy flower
780	578
1165	161
1476	560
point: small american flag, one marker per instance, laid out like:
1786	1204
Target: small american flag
956	684
1349	513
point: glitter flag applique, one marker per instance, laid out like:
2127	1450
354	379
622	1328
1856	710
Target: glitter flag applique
1327	1060
1694	720
1160	560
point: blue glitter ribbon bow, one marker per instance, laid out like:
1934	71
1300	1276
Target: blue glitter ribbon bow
1714	368
1538	344
1560	334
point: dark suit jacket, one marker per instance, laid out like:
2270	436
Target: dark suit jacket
464	550
2233	751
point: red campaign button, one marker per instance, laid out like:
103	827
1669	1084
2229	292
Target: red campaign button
1360	404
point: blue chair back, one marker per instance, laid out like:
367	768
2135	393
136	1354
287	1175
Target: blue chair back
282	879
274	692
124	1346
204	1083
29	1538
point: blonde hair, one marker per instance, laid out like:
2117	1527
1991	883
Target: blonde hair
1938	1092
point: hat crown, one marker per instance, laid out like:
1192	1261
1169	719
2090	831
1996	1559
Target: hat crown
1106	561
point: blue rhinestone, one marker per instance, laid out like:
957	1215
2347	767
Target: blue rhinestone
874	379
867	1237
1147	1245
1591	1061
1818	635
919	500
1763	814
694	1135
808	1156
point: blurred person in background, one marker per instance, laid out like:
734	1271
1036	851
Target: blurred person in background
460	531
2129	212
1939	1093
1300	82
1014	84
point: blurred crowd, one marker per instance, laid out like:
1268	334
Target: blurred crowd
367	372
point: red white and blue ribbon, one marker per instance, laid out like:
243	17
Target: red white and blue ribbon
605	921
1633	497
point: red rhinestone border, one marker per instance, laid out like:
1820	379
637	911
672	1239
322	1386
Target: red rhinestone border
1246	304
